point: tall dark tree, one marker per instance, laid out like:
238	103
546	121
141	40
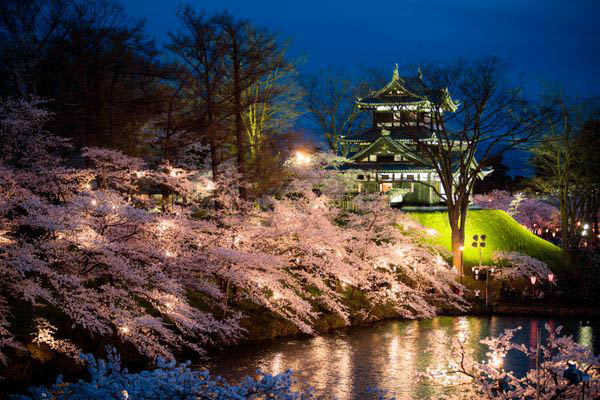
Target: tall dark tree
492	117
98	67
252	54
201	47
567	166
330	102
28	29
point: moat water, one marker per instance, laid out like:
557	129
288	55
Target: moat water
345	364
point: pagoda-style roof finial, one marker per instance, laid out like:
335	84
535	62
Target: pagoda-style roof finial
396	76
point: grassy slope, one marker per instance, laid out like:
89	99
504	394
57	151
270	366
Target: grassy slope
503	233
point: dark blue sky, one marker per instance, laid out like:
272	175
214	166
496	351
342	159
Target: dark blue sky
546	40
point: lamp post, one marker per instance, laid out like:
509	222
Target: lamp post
479	242
533	278
551	280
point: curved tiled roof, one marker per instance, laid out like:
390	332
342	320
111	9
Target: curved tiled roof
385	167
407	91
396	133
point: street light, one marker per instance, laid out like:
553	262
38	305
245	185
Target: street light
302	158
550	279
479	242
533	279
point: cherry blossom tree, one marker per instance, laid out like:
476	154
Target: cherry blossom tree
487	379
85	240
535	214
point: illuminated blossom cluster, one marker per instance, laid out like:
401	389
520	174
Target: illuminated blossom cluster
536	215
473	378
512	266
109	380
164	272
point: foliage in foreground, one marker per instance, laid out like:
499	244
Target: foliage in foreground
108	380
488	380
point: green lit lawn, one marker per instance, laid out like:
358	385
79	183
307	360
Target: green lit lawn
503	233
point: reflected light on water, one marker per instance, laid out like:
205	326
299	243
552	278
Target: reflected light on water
389	355
276	367
586	336
343	364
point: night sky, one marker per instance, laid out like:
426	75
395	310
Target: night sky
546	40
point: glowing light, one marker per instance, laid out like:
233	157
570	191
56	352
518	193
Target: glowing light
586	226
139	174
164	225
173	173
302	158
461	248
168	253
496	360
550	277
124	329
586	337
533	279
276	295
94	202
4	239
431	232
87	186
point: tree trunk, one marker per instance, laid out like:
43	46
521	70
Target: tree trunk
458	240
457	256
565	236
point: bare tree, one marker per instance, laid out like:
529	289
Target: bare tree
491	118
100	69
202	49
330	101
567	166
252	55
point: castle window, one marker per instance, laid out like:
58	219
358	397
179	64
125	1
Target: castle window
383	117
410	177
397	157
373	157
360	177
385	158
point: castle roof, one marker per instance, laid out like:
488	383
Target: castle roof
408	91
396	133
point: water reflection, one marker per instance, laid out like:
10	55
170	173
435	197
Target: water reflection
389	355
586	336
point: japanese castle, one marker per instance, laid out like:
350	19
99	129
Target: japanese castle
380	158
